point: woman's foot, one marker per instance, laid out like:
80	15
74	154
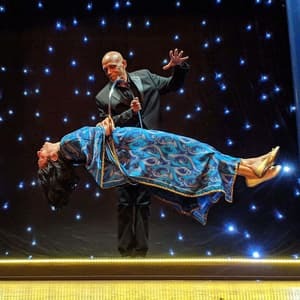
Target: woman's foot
270	173
266	163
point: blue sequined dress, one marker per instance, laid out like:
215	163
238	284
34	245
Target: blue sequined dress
182	171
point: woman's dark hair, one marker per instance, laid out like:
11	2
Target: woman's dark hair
58	180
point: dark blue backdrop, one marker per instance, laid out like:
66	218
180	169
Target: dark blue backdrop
238	97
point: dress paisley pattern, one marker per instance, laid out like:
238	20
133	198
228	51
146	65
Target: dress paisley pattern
182	171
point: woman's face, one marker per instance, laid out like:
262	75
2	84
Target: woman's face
48	151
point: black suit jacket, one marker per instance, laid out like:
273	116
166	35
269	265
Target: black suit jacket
150	86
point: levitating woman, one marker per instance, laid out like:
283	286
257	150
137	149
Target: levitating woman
181	170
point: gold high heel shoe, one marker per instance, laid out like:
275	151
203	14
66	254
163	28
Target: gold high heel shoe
256	181
266	163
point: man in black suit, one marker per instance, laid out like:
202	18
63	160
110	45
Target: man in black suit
133	99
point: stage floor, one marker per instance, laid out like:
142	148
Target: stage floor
150	289
142	279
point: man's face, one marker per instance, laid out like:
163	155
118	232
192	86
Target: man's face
114	67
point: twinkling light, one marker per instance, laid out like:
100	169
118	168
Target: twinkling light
222	86
162	214
91	77
292	108
247	126
277	89
50	49
278	215
73	63
2	9
59	26
179	236
102	22
247	235
129	24
75	22
242	61
218	76
249	27
89	6
78	216
165	61
218	39
287	168
230	228
178	4
47	70
229	142
205	45
116	5
33	183
85	39
263	97
5	205
171	252
256	254
176	37
269	2
147	23
40	5
198	108
264	78
268	35
21	185
226	111
65	120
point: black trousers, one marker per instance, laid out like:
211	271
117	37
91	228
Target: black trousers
133	220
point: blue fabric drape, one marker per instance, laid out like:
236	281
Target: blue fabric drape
183	171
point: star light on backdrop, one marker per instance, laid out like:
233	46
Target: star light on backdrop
237	97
